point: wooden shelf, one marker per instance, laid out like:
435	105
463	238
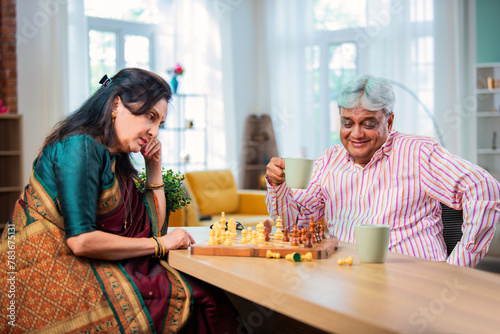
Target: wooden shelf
11	179
488	114
488	151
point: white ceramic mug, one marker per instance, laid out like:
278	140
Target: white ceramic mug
372	242
298	172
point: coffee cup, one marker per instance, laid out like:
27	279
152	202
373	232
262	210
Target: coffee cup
298	172
372	242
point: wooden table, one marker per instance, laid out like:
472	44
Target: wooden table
403	295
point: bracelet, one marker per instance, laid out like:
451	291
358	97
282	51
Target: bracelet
156	246
159	248
154	186
163	250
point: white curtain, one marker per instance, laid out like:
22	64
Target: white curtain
419	45
288	32
42	69
454	60
197	46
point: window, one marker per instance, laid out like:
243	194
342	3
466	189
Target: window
386	38
121	34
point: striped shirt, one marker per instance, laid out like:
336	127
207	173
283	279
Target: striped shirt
401	187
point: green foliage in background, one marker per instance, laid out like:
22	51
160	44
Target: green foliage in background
175	192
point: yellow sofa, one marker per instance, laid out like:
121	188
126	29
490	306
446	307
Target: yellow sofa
213	192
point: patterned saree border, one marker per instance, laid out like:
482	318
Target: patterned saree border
39	191
126	304
185	309
109	199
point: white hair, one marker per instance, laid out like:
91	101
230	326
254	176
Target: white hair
371	93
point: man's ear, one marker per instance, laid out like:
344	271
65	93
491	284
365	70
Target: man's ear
390	121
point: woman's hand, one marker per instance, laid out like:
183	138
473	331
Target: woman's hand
177	238
275	173
152	152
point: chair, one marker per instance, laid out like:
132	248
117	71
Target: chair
213	192
452	233
452	226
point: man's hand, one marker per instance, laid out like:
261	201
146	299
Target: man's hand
275	173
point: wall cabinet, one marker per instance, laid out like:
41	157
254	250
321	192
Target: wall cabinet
487	112
11	178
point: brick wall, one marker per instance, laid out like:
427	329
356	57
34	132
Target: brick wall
8	63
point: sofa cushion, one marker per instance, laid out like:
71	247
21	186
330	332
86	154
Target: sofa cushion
214	191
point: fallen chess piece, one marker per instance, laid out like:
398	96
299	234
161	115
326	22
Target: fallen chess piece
297	258
272	255
347	260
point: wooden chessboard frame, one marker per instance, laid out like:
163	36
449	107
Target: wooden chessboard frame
318	251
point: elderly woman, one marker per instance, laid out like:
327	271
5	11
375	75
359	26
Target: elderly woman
381	176
88	245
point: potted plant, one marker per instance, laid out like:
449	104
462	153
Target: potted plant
175	192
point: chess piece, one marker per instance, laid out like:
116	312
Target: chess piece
211	239
269	254
285	236
295	239
216	228
308	256
268	226
228	241
293	257
266	235
223	221
322	229
278	235
231	226
308	243
244	239
260	235
312	229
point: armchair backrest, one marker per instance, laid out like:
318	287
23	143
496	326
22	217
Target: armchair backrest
213	191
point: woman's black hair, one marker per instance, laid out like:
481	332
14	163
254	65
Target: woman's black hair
139	90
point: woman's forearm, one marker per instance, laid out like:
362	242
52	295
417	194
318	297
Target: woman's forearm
107	246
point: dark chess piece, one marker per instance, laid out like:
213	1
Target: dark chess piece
308	243
322	229
285	235
295	237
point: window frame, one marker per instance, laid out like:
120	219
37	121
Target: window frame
121	29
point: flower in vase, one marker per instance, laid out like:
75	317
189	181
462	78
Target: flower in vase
177	70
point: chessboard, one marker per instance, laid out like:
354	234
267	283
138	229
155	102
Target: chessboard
319	251
224	241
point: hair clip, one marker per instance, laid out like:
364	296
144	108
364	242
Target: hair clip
105	81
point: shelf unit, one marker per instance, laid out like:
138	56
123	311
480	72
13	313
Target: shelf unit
11	178
487	112
184	134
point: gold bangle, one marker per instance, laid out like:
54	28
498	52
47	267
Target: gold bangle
163	250
154	186
156	246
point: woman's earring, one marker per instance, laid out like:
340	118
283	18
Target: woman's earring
113	116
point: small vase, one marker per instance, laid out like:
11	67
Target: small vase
174	84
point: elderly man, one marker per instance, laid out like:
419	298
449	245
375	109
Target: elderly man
381	176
